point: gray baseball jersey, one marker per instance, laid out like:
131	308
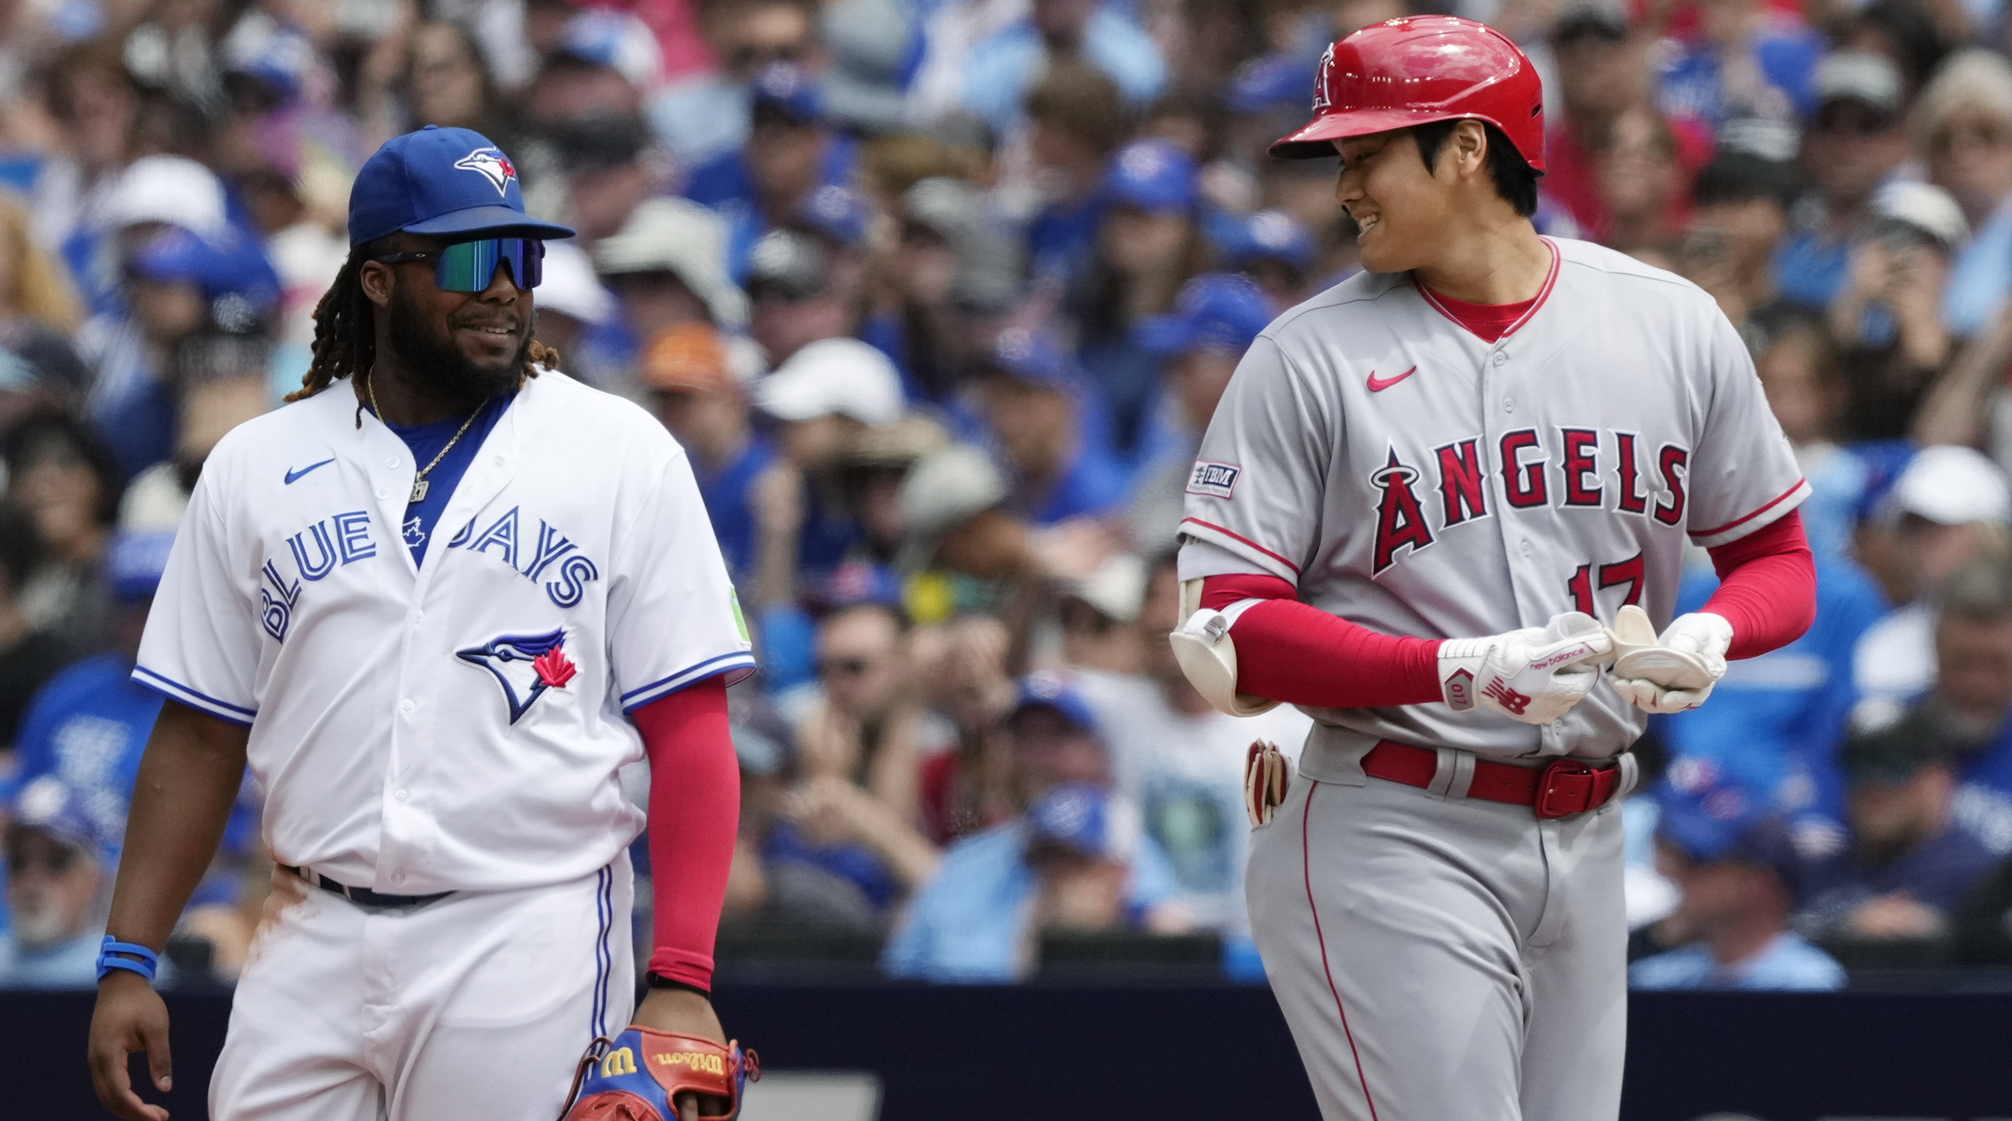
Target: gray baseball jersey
1405	475
1437	956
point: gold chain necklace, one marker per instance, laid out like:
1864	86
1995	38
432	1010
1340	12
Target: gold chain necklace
419	483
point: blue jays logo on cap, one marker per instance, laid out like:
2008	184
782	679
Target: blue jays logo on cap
525	665
493	165
443	182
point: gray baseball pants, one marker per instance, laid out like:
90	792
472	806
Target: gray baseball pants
1444	959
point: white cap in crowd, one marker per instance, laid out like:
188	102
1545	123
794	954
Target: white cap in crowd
845	377
168	189
949	486
570	286
1950	485
1117	589
1925	208
681	237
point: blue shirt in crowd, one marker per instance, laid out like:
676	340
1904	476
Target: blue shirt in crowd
1093	484
1984	800
1939	874
966	924
1774	722
1809	267
1000	68
66	965
1789	962
727	186
89	727
725	493
1785	52
1980	276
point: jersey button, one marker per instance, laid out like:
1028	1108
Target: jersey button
1508	404
393	461
401	795
406	706
1527	550
1501	356
398	877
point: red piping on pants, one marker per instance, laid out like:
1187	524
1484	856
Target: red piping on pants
1306	863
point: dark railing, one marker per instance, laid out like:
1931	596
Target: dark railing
1116	1052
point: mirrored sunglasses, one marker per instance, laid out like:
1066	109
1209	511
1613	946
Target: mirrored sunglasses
469	266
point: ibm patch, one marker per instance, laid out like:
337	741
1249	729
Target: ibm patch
1216	480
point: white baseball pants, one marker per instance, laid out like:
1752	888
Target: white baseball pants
476	1005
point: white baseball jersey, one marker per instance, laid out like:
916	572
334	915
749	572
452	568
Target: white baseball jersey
1407	476
456	726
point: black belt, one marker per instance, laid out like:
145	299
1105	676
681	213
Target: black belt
363	896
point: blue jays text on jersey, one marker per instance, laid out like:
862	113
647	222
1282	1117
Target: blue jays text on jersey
346	538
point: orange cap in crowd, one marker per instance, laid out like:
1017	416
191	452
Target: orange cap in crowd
687	356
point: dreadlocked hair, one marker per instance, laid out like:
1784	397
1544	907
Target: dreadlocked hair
345	339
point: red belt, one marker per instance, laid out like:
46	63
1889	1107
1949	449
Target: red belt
1561	788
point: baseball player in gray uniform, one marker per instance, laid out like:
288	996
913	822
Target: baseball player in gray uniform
1431	511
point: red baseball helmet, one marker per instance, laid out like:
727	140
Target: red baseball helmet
1417	70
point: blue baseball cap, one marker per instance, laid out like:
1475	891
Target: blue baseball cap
50	805
838	212
441	182
1268	235
857	584
1048	690
1215	311
1085	819
1036	356
136	560
784	86
1717	819
1271	82
1152	175
231	263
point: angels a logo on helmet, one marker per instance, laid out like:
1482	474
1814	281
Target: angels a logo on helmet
492	165
1320	99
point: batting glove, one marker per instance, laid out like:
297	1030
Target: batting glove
1672	673
1534	675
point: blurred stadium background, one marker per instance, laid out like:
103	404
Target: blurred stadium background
940	294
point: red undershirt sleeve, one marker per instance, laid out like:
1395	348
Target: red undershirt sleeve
1296	653
1767	587
695	801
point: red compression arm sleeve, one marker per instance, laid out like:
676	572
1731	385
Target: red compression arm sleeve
1767	587
1296	653
695	804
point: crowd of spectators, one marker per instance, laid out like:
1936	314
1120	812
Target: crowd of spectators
938	296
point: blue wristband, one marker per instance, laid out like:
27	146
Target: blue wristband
109	958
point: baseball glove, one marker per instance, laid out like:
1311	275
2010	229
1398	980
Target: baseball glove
1265	780
1674	672
638	1075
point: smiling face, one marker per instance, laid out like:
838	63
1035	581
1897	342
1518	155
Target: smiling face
468	345
1400	205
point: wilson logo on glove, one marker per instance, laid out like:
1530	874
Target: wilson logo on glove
610	1087
704	1064
1508	698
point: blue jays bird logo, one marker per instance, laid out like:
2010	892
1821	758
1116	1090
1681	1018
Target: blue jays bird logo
525	665
493	165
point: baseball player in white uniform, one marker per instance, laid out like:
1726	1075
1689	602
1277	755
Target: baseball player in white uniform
430	604
1429	510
